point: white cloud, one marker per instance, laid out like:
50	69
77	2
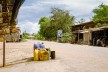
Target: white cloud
29	14
34	8
29	27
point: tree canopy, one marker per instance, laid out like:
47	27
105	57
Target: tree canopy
59	19
101	13
44	25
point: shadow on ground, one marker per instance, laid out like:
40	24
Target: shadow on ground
25	60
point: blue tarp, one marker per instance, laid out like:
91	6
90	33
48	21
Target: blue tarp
37	46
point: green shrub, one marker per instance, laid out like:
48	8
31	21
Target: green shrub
66	37
24	40
39	37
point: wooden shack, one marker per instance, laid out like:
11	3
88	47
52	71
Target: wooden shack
85	32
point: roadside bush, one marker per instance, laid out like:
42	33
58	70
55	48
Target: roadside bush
66	37
38	37
25	35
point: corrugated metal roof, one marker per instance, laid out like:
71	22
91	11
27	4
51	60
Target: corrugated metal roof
90	22
91	29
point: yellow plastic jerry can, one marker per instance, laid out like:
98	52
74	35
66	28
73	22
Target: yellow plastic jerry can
43	54
36	55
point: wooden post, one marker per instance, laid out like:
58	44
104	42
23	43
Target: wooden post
88	36
78	35
4	53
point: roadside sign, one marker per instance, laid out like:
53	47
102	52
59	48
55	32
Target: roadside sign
59	33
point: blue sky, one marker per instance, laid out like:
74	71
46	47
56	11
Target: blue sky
32	10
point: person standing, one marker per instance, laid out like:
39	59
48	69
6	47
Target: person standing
98	42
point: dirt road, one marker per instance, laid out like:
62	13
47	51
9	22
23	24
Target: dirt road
69	58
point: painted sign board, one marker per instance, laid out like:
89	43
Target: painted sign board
59	33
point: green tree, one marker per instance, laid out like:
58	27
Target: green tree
101	13
25	35
66	37
61	19
44	25
81	20
39	37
